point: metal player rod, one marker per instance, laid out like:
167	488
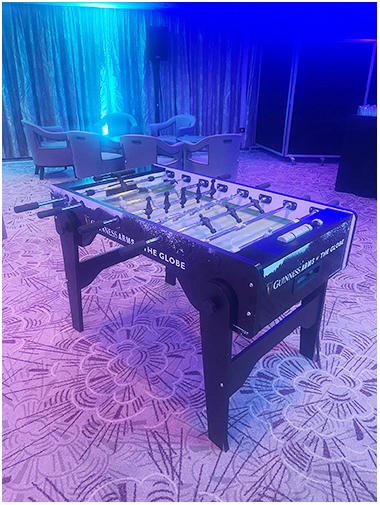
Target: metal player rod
136	191
168	218
246	223
166	194
269	232
205	206
314	223
181	214
209	205
187	187
228	212
90	192
264	235
198	196
57	210
36	205
114	175
160	193
137	248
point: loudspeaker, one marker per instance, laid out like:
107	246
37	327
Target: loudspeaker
158	43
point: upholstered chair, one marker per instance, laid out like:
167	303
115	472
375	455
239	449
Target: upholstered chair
118	123
220	160
48	146
94	154
143	150
181	125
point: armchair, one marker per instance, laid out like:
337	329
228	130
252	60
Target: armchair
143	150
222	157
48	146
183	125
119	123
94	154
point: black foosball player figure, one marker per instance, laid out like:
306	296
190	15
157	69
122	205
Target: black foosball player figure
213	188
207	222
198	194
148	207
183	198
167	202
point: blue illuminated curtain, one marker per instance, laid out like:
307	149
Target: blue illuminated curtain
70	65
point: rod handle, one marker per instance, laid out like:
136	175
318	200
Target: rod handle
333	203
263	185
136	248
26	206
109	175
49	212
87	228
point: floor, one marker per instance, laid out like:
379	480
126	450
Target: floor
117	412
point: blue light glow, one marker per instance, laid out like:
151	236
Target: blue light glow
99	5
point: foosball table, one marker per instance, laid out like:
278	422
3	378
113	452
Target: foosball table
244	257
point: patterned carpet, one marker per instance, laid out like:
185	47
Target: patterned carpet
117	412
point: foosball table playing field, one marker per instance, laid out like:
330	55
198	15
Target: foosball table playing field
243	255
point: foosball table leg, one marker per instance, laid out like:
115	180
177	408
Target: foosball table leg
170	278
309	341
216	335
69	243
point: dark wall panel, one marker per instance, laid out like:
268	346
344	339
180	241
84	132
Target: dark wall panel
331	83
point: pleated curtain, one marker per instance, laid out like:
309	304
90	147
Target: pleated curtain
70	65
